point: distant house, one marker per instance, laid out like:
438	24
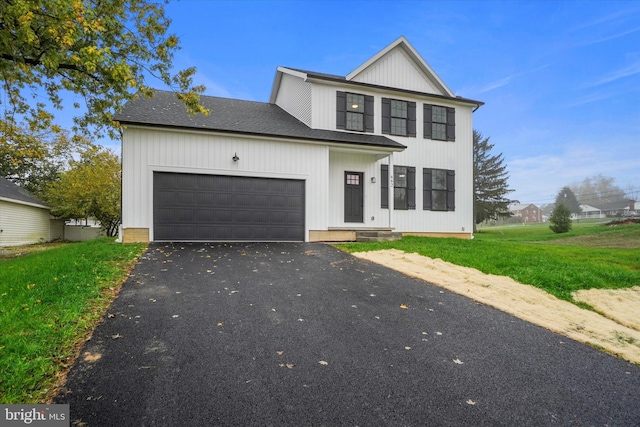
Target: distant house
601	210
623	207
386	147
590	212
24	219
528	213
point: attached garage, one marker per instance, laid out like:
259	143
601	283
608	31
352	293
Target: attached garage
194	207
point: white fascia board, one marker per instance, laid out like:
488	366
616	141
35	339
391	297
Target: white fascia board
370	149
20	202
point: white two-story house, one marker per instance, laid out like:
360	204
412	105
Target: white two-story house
387	147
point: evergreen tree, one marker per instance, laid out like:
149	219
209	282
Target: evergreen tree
567	198
490	186
560	219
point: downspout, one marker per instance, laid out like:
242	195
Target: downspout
391	191
120	238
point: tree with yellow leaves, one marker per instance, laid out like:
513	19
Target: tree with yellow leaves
103	52
90	188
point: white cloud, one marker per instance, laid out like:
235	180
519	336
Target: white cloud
628	71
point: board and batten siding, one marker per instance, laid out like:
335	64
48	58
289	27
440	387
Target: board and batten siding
23	224
341	162
146	150
294	97
421	153
396	70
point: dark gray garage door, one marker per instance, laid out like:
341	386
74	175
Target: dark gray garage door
191	207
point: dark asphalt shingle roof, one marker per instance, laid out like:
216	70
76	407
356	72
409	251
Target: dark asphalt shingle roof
10	190
333	77
237	116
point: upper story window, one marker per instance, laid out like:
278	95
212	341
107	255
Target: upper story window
398	117
439	122
354	112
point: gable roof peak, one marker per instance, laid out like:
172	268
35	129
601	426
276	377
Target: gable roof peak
422	65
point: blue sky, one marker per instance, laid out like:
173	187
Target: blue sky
560	79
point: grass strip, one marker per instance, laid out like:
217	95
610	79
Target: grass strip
50	301
535	258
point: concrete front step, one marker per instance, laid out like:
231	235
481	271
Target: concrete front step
377	236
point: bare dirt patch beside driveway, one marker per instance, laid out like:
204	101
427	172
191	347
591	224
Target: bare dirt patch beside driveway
304	334
617	330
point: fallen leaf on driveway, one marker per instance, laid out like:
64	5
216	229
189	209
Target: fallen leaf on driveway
471	402
458	361
116	336
280	352
287	365
175	315
403	306
220	323
407	348
322	362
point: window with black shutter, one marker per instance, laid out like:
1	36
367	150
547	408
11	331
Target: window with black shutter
438	190
404	187
439	122
354	112
398	117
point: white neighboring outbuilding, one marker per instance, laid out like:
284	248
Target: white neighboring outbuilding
387	147
24	219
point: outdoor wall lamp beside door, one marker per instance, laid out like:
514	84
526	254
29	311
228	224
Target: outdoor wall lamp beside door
235	157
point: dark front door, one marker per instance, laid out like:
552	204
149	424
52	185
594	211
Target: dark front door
353	197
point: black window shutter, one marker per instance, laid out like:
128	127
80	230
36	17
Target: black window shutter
451	190
411	188
341	110
451	124
426	189
427	121
386	115
384	186
411	119
368	113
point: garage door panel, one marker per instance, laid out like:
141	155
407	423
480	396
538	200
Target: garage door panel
191	207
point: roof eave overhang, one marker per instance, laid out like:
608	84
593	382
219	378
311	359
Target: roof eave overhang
22	202
328	142
457	99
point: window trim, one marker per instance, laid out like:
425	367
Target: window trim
387	117
352	111
342	110
428	122
428	191
410	188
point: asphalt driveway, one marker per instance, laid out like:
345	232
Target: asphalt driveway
303	334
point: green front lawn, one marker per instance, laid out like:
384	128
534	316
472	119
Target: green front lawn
50	300
592	255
